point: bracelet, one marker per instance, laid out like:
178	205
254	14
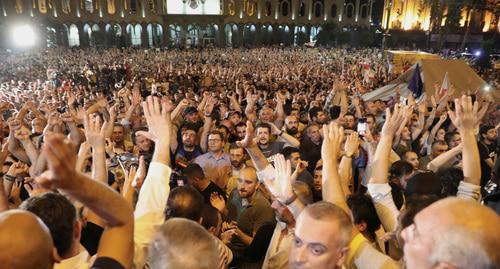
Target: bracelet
290	200
9	178
347	156
281	133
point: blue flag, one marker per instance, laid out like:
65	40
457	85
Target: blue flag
416	86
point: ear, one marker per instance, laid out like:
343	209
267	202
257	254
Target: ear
342	256
361	226
200	221
77	230
211	230
55	256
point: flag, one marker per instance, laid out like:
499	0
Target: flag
446	84
416	86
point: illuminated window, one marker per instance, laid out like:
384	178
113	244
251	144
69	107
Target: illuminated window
73	36
66	6
267	11
89	6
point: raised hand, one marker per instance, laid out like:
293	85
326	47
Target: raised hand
136	98
156	114
249	140
352	144
61	159
67	118
217	201
465	117
281	185
140	174
332	139
393	120
22	134
95	131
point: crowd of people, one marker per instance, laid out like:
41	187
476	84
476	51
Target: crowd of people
226	158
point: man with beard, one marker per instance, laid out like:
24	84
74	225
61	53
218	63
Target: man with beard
310	146
488	150
238	158
240	131
292	126
248	208
293	154
188	150
268	147
317	115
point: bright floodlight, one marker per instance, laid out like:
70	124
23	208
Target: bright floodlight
477	53
23	36
487	87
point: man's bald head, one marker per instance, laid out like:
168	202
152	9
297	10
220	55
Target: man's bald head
25	241
454	233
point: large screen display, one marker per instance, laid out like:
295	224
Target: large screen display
193	7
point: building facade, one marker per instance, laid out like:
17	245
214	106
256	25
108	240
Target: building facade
480	15
158	23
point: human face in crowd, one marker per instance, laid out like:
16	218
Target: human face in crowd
192	117
189	138
439	149
295	112
237	157
282	212
350	121
418	240
37	126
294	159
412	158
455	141
371	108
266	114
292	125
314	134
263	136
142	143
118	134
321	117
490	135
318	179
235	118
247	183
215	143
315	248
406	134
241	132
440	135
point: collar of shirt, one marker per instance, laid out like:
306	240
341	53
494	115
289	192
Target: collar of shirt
211	155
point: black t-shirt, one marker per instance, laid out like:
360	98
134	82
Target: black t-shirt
211	188
91	235
486	152
106	263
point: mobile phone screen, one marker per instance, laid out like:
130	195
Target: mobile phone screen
361	128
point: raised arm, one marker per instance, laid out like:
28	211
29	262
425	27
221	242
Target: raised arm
117	239
330	150
345	168
380	166
438	162
465	118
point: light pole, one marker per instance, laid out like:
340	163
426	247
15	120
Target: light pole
386	32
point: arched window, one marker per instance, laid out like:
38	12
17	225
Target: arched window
333	11
285	8
66	6
111	7
349	10
364	11
318	9
135	34
89	6
73	36
302	9
268	7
